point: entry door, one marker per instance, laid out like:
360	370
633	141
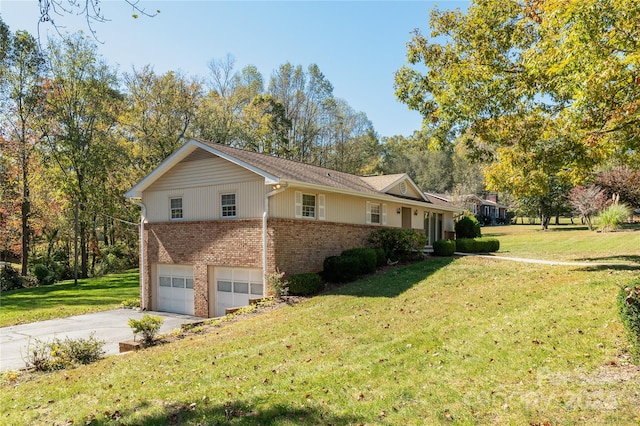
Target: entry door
406	218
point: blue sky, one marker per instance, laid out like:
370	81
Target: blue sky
358	45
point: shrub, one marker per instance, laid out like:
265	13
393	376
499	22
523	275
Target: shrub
471	245
304	284
339	269
444	247
629	309
468	227
613	217
131	303
117	257
366	258
277	282
381	257
148	326
10	279
44	274
59	354
398	243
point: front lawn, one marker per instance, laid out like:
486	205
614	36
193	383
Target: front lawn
444	341
63	299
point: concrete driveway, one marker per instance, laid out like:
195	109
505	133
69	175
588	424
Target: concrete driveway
110	326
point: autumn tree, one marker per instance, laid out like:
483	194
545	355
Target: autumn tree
82	104
21	98
159	112
623	181
545	91
588	201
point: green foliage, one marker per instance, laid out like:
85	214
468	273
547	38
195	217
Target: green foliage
148	326
468	227
131	303
277	282
398	243
44	274
381	257
366	257
629	309
477	245
444	247
116	258
612	217
59	354
10	279
340	269
304	284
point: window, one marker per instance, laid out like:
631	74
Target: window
308	205
176	208
228	203
375	213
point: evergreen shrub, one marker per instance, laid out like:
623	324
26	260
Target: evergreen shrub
340	269
367	259
304	284
444	247
468	227
477	245
629	309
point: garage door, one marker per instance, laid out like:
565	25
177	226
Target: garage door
235	287
175	289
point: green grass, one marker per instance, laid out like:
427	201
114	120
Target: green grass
444	341
63	299
568	243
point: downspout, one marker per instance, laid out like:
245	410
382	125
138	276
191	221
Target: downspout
143	217
277	189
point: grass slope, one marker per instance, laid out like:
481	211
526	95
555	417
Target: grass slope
444	341
63	299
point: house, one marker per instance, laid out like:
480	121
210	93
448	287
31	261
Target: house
216	219
487	210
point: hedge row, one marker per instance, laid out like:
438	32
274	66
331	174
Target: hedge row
304	284
477	245
352	263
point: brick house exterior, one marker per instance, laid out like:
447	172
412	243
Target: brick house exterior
216	219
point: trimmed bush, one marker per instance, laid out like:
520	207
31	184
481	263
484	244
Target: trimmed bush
444	247
381	257
398	243
366	257
304	284
148	326
340	269
471	245
468	227
629	309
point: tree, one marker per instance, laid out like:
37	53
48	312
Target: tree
623	181
588	201
90	9
82	107
530	83
22	102
159	113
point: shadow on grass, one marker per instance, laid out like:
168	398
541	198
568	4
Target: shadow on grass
619	267
604	259
392	282
231	413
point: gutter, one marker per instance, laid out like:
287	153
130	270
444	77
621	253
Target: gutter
143	218
277	188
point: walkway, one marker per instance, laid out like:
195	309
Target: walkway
552	262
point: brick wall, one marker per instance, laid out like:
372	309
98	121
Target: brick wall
233	243
302	245
293	246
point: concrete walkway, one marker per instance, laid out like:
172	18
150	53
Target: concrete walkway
551	262
110	326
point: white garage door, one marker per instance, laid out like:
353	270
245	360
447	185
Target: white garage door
175	289
235	286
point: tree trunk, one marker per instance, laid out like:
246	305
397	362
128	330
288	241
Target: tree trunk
25	212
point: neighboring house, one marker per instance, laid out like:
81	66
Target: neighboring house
216	219
487	210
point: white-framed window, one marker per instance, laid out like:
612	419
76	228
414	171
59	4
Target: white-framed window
308	205
175	208
228	205
375	214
